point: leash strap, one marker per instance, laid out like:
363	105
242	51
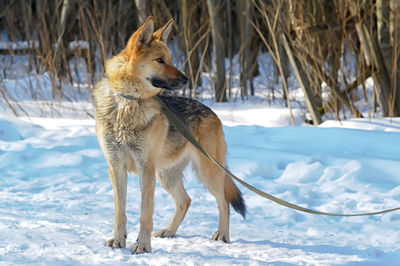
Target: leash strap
181	127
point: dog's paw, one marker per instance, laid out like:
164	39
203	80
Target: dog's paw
164	233
221	236
140	248
116	243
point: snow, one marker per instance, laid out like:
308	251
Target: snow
4	45
19	45
57	207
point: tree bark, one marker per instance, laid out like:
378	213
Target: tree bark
312	106
141	10
373	56
385	15
230	47
190	30
243	7
217	33
60	60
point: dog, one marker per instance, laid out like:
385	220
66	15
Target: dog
136	137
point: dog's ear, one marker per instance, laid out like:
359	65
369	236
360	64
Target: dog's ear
142	37
145	33
163	33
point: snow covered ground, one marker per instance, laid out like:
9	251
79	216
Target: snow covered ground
57	207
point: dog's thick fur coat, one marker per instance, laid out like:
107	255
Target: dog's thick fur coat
136	137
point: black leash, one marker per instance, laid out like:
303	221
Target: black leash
181	127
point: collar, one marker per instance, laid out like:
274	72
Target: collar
127	96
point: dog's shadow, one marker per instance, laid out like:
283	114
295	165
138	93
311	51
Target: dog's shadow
366	257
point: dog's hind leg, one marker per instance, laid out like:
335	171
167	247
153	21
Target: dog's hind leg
119	178
171	181
213	178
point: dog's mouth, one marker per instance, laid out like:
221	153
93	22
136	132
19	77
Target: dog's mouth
170	84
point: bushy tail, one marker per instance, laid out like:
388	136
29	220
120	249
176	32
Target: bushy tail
234	197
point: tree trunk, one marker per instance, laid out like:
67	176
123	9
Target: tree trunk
141	10
230	47
243	7
385	15
309	98
60	61
373	56
394	26
217	32
190	36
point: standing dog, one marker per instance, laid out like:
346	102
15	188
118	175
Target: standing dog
136	137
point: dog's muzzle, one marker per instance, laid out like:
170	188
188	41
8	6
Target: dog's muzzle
170	84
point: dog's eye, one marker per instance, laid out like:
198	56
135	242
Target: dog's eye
160	60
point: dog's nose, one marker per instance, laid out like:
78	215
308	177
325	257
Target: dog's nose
184	79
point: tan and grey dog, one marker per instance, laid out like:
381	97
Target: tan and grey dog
136	137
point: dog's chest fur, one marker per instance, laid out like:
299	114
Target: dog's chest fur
131	119
122	122
125	124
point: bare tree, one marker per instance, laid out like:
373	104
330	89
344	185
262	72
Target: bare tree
248	51
387	15
141	7
60	60
374	50
318	37
218	35
191	33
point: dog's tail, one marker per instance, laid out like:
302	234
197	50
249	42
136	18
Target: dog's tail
234	196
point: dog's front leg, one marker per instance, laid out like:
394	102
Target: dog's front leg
119	178
147	183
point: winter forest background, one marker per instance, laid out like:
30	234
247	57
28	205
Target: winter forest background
328	49
275	64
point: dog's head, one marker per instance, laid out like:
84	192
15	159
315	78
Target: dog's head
144	68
